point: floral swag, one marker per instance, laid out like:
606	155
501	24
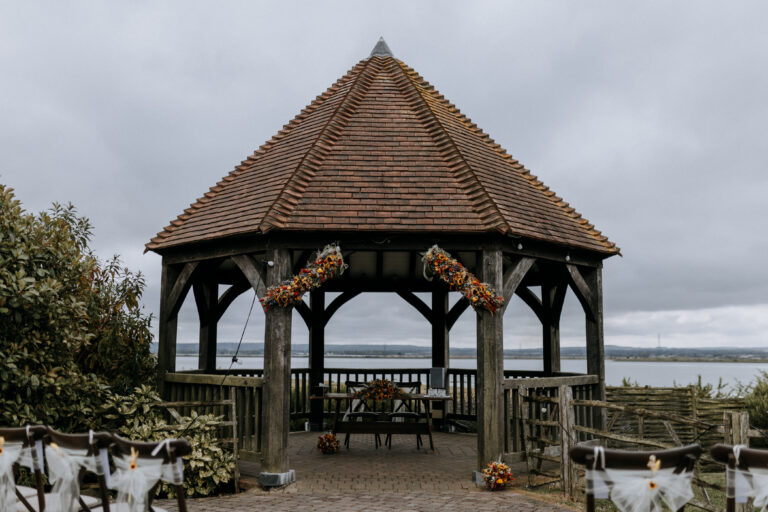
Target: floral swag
328	264
448	269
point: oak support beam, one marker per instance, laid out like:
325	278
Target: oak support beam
453	315
206	298
316	355
337	303
303	310
254	274
583	290
439	320
167	322
490	370
553	296
417	303
229	296
533	302
513	277
595	338
277	365
181	286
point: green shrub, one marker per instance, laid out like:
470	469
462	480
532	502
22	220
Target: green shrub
207	470
74	340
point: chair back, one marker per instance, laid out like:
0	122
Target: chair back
71	456
746	474
399	405
21	446
355	404
140	466
615	473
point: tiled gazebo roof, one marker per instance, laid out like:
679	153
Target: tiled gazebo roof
382	150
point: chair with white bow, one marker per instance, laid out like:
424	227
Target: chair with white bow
139	468
638	481
21	447
69	458
746	475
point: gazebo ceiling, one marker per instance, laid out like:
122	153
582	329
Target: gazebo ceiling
382	151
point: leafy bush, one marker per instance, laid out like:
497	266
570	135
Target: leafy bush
74	341
207	470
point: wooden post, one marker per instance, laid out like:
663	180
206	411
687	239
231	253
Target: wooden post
552	297
595	341
567	440
166	351
440	346
736	429
490	370
316	356
206	293
277	371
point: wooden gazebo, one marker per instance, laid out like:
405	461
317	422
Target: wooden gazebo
384	165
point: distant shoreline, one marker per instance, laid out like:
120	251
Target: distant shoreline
421	356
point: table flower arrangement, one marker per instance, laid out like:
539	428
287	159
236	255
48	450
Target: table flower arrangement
380	389
497	476
328	263
448	269
328	444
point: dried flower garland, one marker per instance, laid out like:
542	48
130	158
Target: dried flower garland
328	444
479	295
380	389
497	476
328	264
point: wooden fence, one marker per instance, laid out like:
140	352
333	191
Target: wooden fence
245	391
636	418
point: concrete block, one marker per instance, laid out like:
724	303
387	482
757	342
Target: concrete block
277	479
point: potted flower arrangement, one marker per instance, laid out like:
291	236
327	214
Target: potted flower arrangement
328	444
497	476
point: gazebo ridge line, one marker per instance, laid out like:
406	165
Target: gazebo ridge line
384	165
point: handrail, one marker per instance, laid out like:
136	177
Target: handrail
214	380
550	382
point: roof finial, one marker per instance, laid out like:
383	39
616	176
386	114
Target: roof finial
381	49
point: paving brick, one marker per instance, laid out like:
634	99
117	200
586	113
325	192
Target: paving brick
364	478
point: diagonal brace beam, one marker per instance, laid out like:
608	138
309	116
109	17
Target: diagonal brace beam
514	276
582	290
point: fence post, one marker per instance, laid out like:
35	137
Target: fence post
567	439
736	428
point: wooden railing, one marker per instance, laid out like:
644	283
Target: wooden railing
461	385
245	391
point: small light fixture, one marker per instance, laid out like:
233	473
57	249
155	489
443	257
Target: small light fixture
268	263
519	246
568	257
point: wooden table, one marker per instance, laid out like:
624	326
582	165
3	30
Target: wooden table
383	427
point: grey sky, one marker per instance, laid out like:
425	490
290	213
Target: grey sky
648	117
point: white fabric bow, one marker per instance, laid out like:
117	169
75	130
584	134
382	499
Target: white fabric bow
63	471
133	478
11	452
742	484
640	491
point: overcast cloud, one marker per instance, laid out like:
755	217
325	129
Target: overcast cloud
649	117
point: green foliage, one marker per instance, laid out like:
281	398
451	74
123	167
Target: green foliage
74	341
207	470
757	401
119	349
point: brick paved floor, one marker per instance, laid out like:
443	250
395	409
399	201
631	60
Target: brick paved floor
366	479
